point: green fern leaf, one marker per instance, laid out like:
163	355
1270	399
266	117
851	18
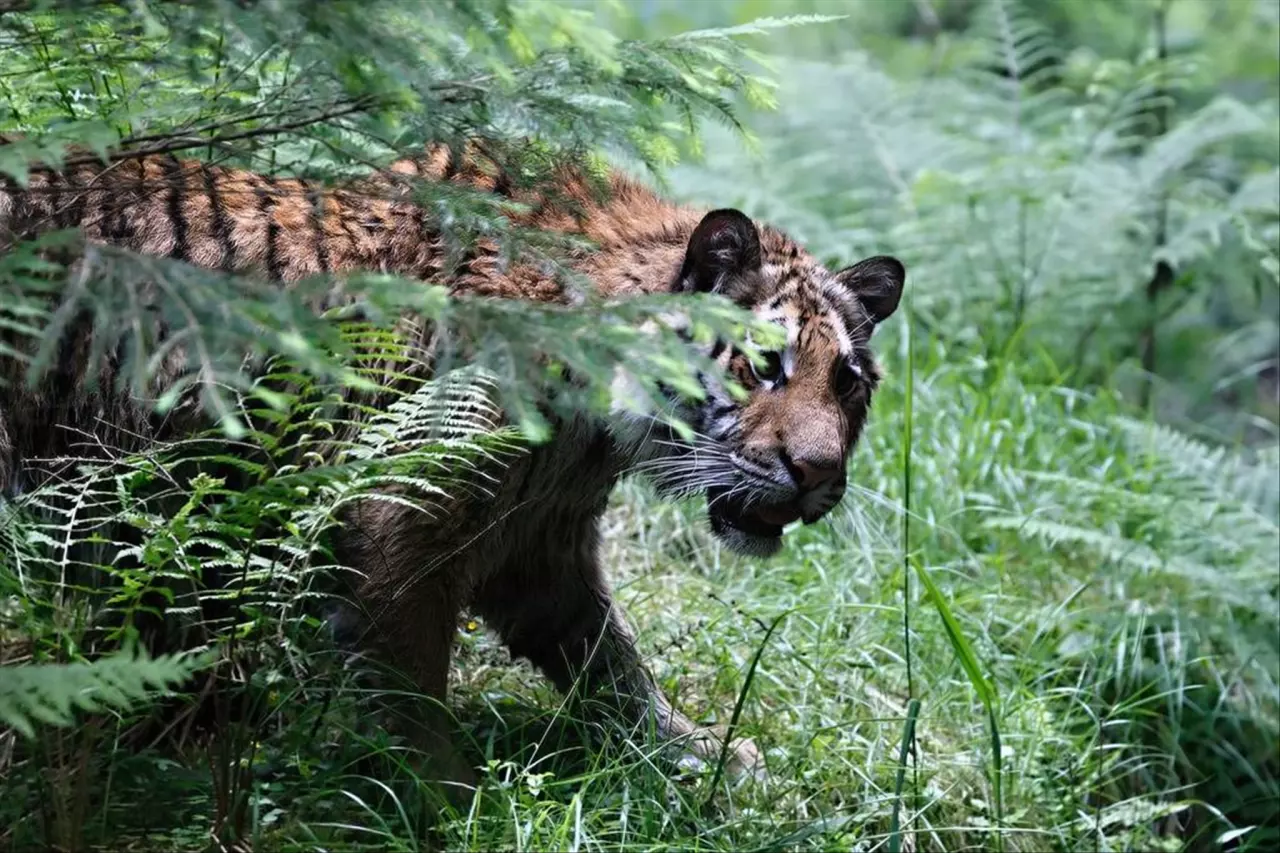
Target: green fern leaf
49	694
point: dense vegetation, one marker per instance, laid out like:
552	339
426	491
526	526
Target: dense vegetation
1047	615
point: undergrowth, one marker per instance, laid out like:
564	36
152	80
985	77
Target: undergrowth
1042	618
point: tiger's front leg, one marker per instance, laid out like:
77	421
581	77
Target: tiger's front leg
553	606
408	609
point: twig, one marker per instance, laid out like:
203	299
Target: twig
182	143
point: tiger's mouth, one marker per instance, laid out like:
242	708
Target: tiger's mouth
752	530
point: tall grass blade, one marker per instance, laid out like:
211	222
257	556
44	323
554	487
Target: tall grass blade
986	692
908	738
742	701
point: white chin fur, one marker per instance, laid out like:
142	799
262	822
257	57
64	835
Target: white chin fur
749	545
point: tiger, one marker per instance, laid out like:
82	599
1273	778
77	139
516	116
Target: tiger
524	555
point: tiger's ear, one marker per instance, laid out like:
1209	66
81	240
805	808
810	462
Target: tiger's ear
877	282
723	249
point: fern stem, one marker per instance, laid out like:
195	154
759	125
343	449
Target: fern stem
1162	274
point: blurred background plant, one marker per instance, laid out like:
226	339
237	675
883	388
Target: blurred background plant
1047	614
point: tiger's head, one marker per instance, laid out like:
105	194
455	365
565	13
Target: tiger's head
781	454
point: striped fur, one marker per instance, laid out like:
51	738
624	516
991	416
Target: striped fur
525	556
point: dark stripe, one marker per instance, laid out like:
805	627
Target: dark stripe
177	207
427	234
315	195
362	211
452	164
852	318
344	222
502	184
717	349
118	232
721	409
75	204
56	183
221	225
468	256
14	228
267	207
346	229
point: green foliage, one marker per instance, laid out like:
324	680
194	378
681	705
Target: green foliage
49	693
1202	521
1031	194
289	87
1096	664
1031	190
237	561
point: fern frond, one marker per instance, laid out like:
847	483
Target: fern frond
50	694
759	26
1246	477
1222	119
1203	514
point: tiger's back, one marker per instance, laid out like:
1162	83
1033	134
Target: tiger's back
235	220
283	229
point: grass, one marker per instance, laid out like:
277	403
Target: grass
1058	694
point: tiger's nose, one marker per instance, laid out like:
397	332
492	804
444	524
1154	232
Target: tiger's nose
810	475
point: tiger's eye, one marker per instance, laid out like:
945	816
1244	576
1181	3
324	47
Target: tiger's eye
771	369
846	380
